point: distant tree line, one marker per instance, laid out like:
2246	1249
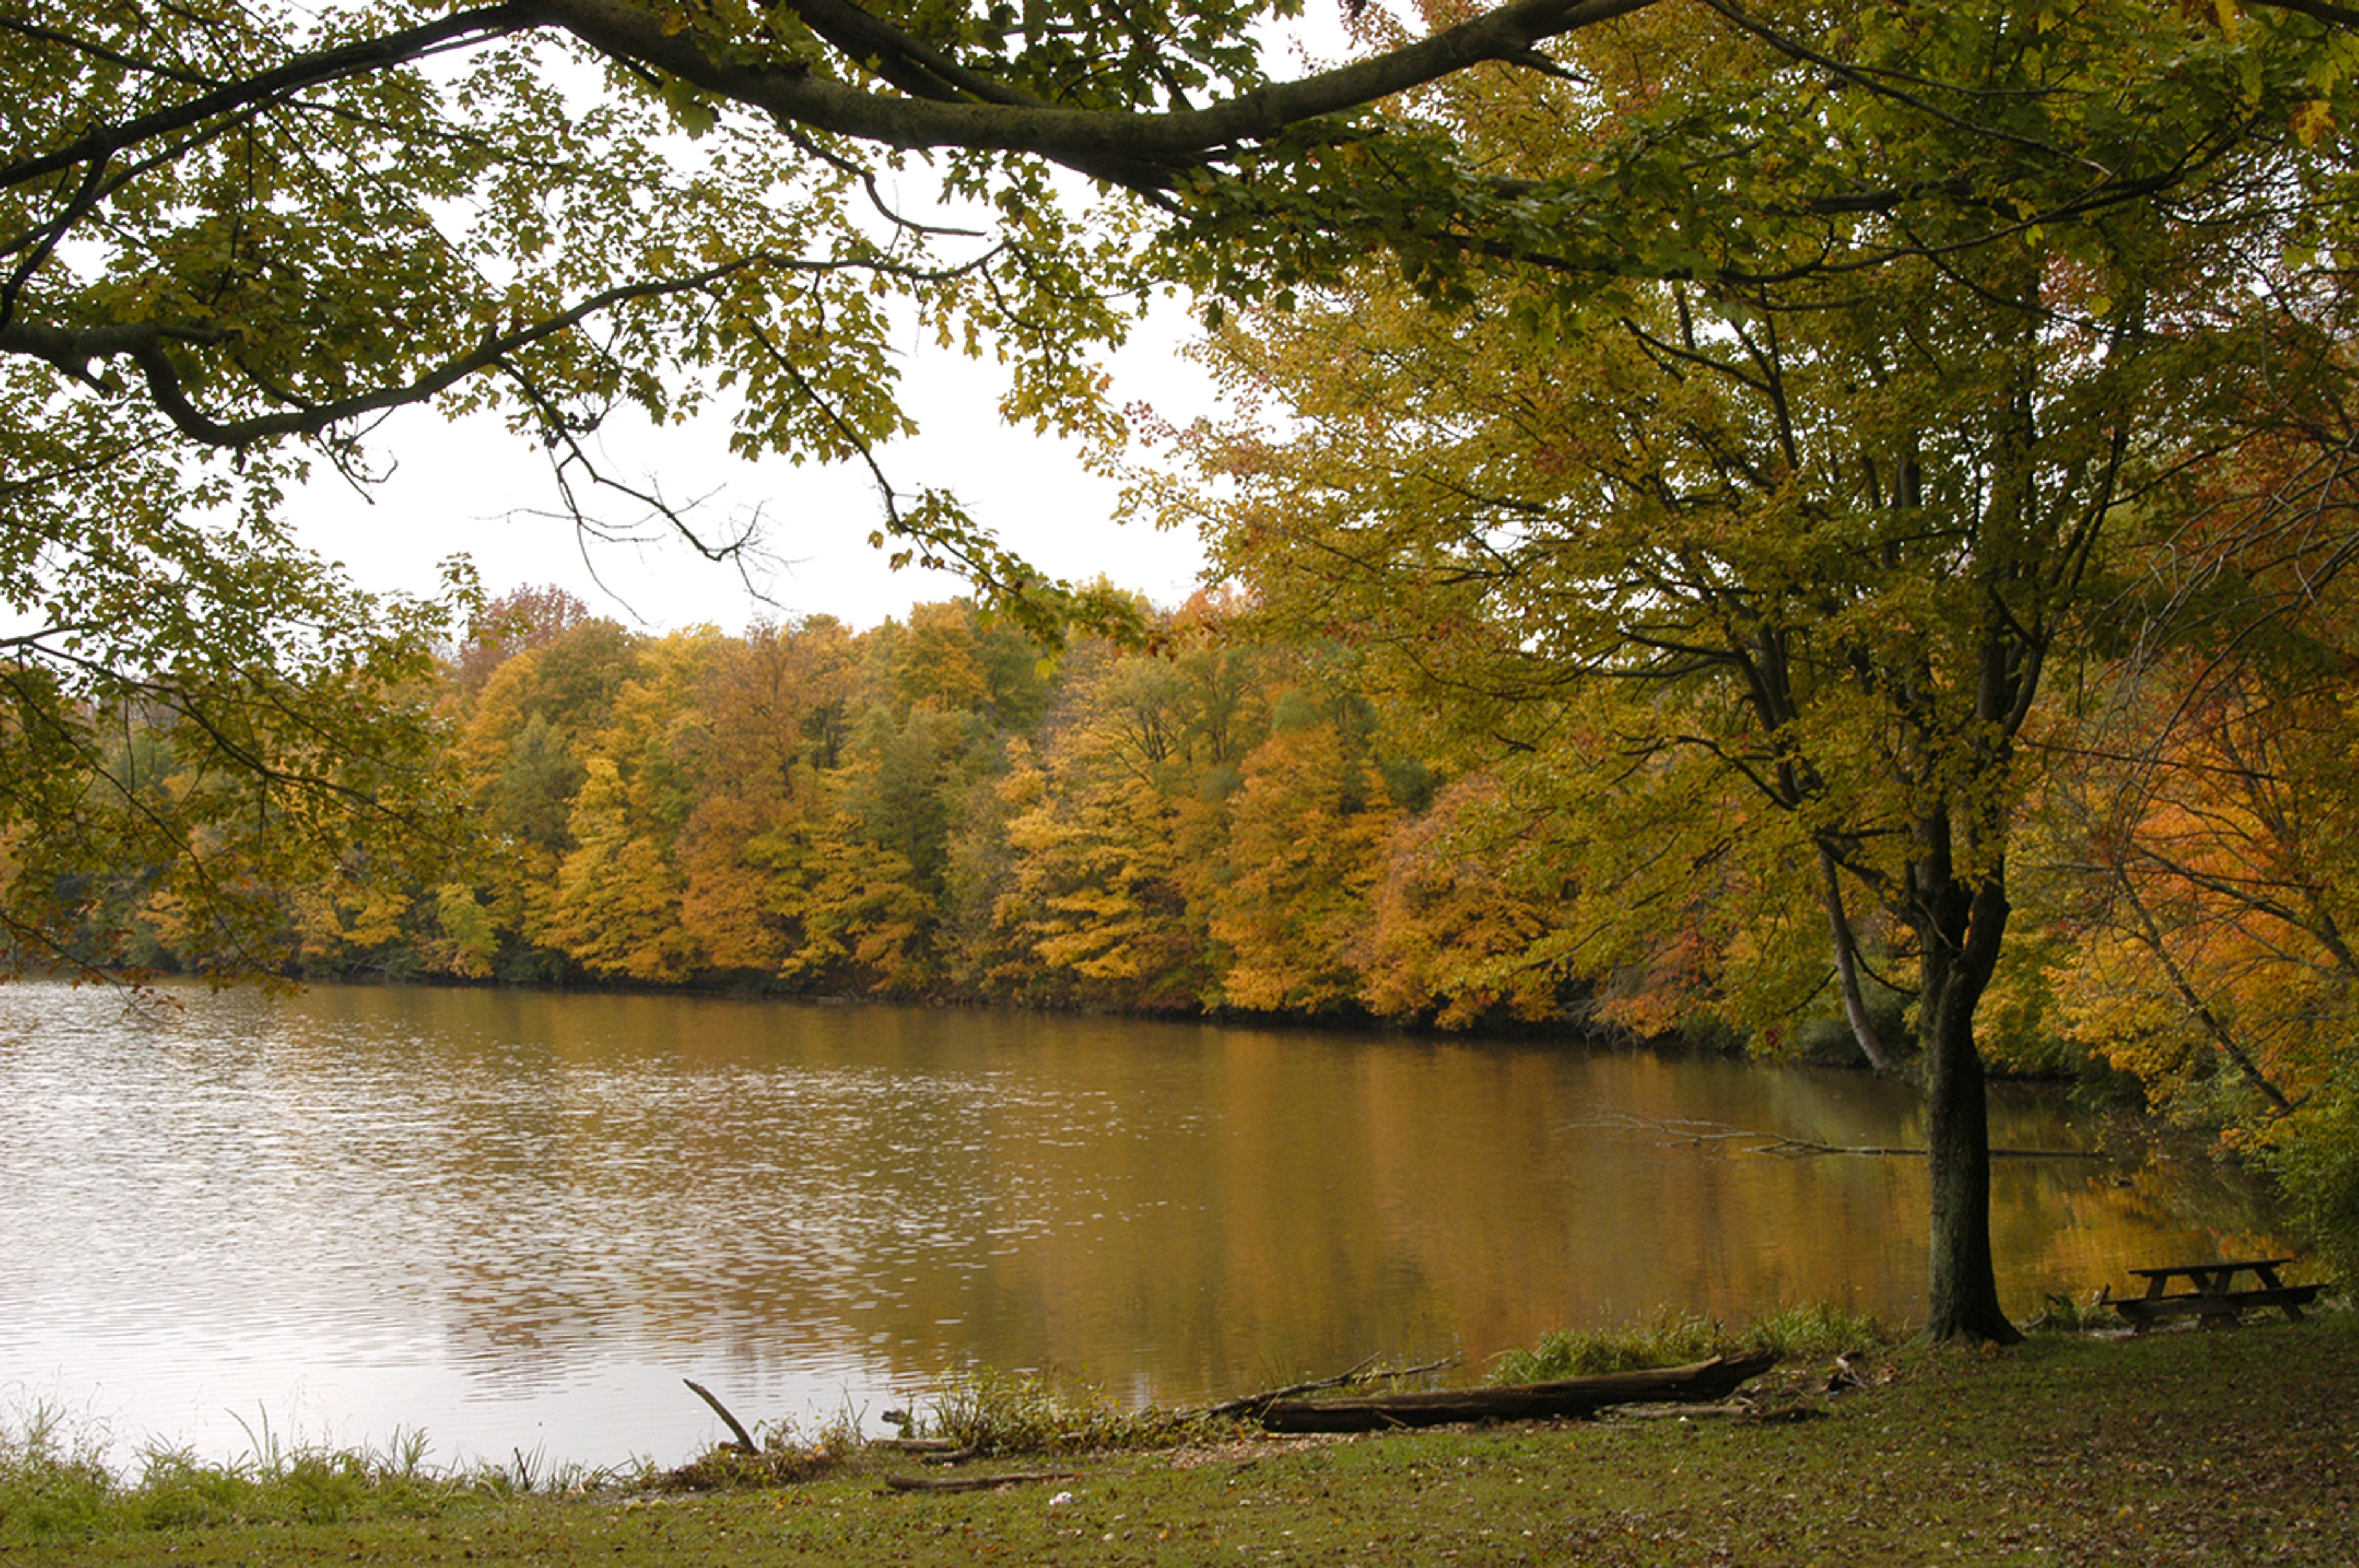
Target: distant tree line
935	808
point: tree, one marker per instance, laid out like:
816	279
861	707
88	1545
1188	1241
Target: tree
192	715
522	750
520	619
244	227
1457	933
2202	814
2211	955
617	906
1095	908
1306	830
1817	486
769	700
236	234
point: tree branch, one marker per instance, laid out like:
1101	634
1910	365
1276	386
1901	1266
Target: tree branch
305	71
146	345
1135	149
2316	10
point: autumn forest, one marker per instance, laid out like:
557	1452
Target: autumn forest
935	810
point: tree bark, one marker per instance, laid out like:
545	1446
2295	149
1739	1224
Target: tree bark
1962	942
1962	1295
1862	1027
1135	146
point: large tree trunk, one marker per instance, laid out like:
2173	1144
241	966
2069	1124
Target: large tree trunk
1961	931
1962	1296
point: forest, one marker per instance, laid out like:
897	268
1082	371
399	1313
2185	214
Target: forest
939	808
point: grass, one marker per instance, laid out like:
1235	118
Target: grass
54	1485
2178	1448
787	1455
1672	1340
990	1413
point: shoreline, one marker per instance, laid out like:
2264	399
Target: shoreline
2069	1448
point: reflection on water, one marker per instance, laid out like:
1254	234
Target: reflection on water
519	1219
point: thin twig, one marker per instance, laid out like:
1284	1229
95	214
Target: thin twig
1250	1403
744	1439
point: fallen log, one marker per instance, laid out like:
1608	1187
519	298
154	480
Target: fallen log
1702	1382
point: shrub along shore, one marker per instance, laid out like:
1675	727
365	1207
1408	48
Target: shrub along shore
2178	1447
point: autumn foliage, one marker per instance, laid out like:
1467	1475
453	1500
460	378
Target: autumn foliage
933	808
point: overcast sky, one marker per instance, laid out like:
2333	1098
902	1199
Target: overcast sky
472	488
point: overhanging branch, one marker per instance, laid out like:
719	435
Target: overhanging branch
306	70
148	345
1149	144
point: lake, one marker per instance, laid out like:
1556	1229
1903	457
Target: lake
519	1219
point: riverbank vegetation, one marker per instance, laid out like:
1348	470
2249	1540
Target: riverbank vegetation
2176	1448
936	809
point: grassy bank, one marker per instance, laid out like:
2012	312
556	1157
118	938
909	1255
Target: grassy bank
2180	1448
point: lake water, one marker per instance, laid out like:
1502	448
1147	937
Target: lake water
517	1220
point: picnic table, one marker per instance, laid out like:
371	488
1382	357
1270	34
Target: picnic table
2211	1293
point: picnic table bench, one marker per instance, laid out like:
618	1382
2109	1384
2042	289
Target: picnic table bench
2209	1295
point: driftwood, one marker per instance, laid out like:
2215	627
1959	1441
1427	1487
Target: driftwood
971	1483
1806	1146
1701	1382
745	1444
950	1455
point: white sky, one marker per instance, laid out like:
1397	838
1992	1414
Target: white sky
472	488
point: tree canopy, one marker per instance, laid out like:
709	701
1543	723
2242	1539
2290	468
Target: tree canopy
242	225
235	234
239	224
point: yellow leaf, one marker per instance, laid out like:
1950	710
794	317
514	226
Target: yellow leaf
2312	120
